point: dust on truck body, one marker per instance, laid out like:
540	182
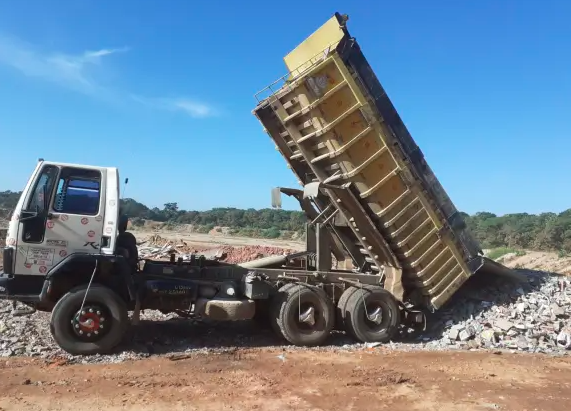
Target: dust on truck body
336	127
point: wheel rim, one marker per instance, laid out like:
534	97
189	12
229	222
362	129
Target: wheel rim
376	315
91	323
307	317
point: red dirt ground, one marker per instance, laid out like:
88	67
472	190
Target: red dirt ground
305	380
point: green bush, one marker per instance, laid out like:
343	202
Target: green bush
500	252
545	231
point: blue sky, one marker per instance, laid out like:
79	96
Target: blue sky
164	91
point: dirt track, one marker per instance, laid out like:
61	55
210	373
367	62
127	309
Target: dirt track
305	380
209	240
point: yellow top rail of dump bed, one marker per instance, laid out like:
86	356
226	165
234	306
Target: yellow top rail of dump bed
329	120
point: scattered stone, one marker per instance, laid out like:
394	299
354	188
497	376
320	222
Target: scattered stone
454	333
464	335
564	340
488	336
557	310
532	317
503	324
521	342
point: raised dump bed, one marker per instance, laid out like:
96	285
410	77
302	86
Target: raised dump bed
335	125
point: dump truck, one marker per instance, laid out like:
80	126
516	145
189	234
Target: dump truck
384	244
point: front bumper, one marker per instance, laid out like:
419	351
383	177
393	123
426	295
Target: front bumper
24	288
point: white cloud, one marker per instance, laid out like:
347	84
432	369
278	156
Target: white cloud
95	56
193	108
188	106
68	70
79	71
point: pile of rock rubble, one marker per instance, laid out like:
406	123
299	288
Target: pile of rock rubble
490	313
487	313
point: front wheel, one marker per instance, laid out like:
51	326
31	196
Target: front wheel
97	328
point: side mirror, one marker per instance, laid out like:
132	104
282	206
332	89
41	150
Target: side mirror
276	198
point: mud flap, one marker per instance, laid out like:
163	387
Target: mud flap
393	282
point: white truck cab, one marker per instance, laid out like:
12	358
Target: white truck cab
64	209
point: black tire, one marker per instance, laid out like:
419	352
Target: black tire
340	321
285	314
128	242
275	306
355	317
61	325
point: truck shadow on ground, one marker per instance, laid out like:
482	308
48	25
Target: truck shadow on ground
180	335
479	297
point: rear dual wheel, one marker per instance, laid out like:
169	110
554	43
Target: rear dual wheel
302	314
369	314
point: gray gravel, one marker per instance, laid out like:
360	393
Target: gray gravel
487	313
490	313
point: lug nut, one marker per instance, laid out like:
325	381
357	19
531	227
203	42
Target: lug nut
98	312
81	332
95	332
91	310
102	319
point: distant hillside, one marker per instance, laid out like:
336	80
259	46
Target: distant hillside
8	199
546	231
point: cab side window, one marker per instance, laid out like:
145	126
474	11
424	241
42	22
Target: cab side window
43	188
78	192
34	226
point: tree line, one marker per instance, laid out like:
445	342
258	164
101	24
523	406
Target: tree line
545	231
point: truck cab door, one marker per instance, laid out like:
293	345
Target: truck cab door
33	216
63	216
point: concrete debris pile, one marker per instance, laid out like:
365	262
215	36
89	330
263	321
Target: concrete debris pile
534	316
24	335
157	247
244	254
160	248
